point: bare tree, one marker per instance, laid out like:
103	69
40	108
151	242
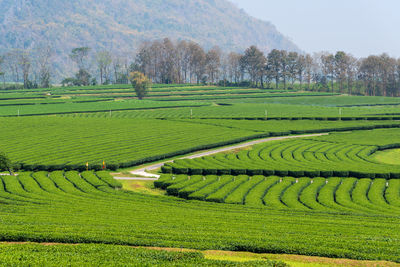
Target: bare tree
79	55
183	55
309	66
197	61
44	54
24	62
292	66
11	59
234	67
104	60
213	63
274	65
2	71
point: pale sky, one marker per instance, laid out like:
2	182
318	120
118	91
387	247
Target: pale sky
360	27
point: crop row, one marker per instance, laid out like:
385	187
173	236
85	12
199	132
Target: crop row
378	196
343	155
70	207
68	143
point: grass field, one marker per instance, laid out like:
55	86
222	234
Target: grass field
335	196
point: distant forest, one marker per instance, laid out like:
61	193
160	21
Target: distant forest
165	61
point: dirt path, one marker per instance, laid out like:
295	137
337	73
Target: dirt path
142	173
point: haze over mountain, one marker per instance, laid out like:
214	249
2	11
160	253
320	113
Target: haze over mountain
120	25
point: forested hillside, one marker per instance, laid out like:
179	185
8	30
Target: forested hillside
120	25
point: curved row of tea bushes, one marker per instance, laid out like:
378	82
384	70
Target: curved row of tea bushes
378	196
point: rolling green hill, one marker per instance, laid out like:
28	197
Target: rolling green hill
122	24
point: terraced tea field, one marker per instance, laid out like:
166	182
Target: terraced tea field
60	143
68	207
336	195
351	195
341	154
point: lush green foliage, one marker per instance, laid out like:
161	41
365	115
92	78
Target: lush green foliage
347	195
69	208
106	255
340	154
36	142
284	127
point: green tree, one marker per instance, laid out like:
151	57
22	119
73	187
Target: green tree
140	83
254	63
5	163
79	56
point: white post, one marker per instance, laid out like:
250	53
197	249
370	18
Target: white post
18	112
266	114
110	113
191	113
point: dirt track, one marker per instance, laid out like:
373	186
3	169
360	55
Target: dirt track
142	172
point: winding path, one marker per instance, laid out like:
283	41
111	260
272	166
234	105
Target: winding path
142	173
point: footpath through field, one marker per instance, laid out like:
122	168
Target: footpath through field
142	173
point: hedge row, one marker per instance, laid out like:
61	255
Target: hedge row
307	118
114	165
280	173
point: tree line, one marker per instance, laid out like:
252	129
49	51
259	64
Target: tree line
166	61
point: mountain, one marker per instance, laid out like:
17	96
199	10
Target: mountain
120	25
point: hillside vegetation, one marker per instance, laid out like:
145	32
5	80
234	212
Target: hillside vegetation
123	24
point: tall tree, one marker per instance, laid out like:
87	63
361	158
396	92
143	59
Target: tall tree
197	61
2	70
140	83
44	54
104	60
79	55
309	65
274	65
255	62
11	59
234	66
328	68
24	62
183	55
292	66
301	68
213	63
341	67
284	66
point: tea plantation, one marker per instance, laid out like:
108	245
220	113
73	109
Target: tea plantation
325	195
68	207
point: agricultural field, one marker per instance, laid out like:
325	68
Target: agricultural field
338	154
34	203
71	142
334	194
186	101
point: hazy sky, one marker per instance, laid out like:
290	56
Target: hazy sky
361	27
